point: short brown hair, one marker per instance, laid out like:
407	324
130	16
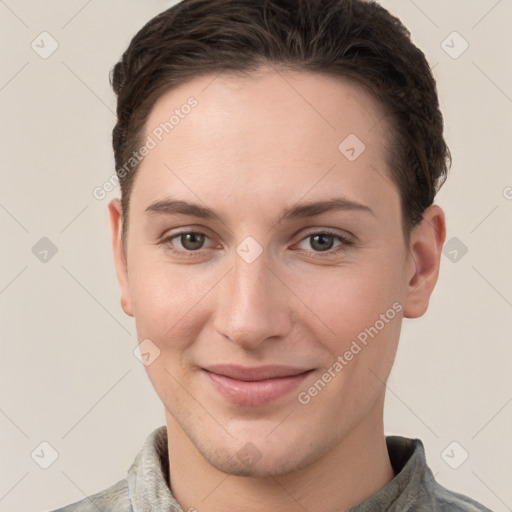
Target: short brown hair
352	38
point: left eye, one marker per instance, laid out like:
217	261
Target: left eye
324	241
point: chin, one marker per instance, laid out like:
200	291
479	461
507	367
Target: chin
269	465
256	456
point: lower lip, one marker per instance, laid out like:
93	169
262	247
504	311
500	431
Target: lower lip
255	392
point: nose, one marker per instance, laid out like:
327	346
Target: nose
253	304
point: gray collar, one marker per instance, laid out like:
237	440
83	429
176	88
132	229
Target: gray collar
149	490
149	474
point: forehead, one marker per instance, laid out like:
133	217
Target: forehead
317	104
259	132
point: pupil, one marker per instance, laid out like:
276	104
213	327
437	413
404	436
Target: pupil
192	241
322	238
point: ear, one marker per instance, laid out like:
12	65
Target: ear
120	261
426	243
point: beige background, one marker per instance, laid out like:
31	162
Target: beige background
68	375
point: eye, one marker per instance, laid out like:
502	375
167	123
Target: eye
323	241
185	242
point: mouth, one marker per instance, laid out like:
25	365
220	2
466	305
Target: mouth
254	386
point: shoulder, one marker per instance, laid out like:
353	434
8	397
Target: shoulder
115	498
450	501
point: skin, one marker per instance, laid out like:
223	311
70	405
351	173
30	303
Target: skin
253	147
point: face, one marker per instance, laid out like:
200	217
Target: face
276	321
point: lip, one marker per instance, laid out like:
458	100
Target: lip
255	385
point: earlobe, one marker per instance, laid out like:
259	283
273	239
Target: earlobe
120	260
425	248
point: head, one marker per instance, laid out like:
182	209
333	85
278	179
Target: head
252	111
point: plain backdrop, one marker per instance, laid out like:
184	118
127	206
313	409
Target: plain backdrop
68	375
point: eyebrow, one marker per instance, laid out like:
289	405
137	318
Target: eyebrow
170	206
312	209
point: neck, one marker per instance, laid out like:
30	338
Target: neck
354	469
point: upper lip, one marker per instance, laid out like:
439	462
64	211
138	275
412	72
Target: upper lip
255	373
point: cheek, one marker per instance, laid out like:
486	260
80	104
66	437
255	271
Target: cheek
167	309
362	307
363	311
349	299
166	298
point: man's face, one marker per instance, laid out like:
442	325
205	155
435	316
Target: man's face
256	288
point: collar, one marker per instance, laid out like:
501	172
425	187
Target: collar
149	490
413	479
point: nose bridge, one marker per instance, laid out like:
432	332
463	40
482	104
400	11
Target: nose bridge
252	306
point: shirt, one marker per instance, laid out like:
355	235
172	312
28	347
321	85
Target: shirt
146	488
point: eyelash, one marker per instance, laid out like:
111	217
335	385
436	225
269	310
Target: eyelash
345	244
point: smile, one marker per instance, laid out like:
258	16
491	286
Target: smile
254	386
